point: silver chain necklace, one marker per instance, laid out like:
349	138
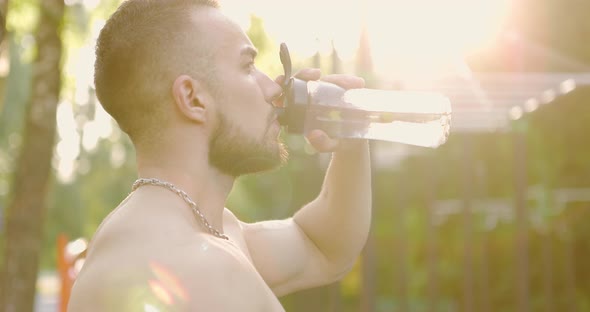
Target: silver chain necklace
184	196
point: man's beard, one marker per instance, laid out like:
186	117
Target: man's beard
232	153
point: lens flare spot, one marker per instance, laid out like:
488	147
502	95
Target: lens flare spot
150	308
160	292
169	281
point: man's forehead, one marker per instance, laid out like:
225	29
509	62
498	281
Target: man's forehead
221	32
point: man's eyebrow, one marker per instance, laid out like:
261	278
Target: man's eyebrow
249	50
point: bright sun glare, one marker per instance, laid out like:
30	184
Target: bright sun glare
407	36
428	36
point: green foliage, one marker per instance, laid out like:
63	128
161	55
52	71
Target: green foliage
558	137
268	51
77	209
23	16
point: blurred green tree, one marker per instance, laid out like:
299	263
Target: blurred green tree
25	212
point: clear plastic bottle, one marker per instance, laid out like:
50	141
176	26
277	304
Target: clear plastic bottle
415	118
409	117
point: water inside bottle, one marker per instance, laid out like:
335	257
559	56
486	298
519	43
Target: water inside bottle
415	118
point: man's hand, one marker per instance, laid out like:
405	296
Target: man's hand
318	139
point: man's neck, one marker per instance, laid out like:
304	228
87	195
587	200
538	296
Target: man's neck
205	185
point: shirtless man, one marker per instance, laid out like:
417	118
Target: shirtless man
179	78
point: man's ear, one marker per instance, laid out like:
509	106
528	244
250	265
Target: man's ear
190	98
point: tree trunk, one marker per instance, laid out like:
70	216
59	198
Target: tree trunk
3	14
26	207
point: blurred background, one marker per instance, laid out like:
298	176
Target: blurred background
494	220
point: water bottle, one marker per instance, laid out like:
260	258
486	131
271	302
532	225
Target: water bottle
408	117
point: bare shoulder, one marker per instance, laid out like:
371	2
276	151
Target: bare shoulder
218	277
223	270
196	276
230	217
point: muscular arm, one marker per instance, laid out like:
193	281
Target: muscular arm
320	243
338	220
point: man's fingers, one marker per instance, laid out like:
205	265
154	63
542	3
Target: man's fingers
280	79
304	74
345	81
321	142
309	74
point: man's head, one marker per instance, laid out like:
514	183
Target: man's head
181	64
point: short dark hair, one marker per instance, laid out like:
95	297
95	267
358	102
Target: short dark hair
140	51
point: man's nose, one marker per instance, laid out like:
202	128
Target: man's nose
272	90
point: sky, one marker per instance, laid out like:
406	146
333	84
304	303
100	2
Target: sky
412	37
